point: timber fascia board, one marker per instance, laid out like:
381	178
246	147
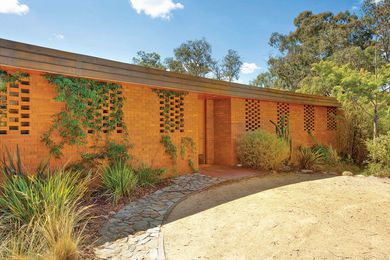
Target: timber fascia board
31	57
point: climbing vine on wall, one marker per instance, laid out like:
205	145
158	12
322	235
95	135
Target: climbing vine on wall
90	107
10	78
171	110
170	148
187	147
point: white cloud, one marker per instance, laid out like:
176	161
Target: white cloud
59	36
377	1
13	7
248	68
156	8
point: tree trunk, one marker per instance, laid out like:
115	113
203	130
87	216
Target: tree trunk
375	132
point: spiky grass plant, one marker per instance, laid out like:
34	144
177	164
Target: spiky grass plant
25	198
64	232
42	212
308	158
119	180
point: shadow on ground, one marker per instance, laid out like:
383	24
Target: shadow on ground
134	232
239	188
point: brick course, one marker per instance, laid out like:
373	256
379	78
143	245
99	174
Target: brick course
218	120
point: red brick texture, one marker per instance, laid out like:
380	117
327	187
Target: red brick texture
214	125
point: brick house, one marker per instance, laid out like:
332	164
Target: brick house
213	113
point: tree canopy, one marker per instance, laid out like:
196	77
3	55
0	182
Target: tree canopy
149	59
195	58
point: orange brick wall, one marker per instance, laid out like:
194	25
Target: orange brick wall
141	116
210	131
268	111
220	121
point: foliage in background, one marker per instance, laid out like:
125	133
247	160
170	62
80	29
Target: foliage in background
10	78
268	80
229	69
379	156
194	58
262	150
119	180
316	37
368	91
84	100
149	60
148	176
342	55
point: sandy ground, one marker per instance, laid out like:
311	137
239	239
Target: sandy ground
291	216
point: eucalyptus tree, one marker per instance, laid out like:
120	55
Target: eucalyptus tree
149	59
193	57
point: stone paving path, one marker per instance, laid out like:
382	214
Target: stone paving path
134	232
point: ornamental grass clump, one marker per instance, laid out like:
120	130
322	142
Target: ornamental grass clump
309	158
42	212
329	154
262	150
24	198
119	180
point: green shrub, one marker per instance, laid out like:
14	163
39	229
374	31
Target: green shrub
116	152
262	150
378	162
148	176
119	180
329	154
309	158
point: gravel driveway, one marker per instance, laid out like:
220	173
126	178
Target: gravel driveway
290	216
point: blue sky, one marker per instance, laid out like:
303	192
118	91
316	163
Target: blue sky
117	29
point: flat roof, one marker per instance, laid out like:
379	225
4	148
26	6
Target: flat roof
32	57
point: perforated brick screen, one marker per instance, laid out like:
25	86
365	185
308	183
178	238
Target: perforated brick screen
283	109
107	112
331	122
308	118
171	113
15	110
252	114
